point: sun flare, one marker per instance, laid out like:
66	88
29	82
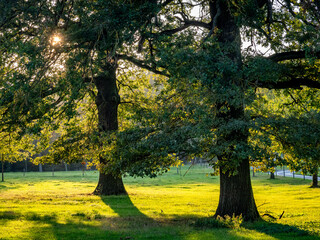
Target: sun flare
56	40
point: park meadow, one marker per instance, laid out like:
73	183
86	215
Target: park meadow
176	205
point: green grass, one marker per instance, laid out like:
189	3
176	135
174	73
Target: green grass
41	206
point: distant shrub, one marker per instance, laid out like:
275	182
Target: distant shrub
9	215
78	214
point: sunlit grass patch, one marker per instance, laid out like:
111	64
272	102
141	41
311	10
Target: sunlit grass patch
42	206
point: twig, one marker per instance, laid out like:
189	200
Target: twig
268	215
189	168
262	204
281	215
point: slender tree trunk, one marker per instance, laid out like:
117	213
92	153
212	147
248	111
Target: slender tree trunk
272	176
315	179
2	168
107	102
26	164
236	195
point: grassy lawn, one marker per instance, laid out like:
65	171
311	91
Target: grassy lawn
41	206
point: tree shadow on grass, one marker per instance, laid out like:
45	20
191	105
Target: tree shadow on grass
281	231
131	216
131	223
128	214
72	230
122	205
266	228
8	186
43	227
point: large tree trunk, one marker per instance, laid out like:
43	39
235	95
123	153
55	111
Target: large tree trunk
236	195
109	184
107	102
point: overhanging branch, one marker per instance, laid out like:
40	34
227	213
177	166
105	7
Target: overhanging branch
187	23
292	55
294	83
141	64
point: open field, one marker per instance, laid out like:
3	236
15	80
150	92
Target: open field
41	206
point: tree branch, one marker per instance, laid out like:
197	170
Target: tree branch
261	3
169	32
294	83
187	23
165	3
278	57
141	64
214	21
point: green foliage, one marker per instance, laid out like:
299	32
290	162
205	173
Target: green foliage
15	148
210	104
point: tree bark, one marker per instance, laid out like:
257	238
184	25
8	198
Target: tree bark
272	175
315	180
66	166
2	168
109	184
236	195
107	102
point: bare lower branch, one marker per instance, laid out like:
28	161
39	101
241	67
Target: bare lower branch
187	23
294	83
142	64
292	55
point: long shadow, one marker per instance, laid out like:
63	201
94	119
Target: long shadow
72	230
122	205
131	215
273	229
131	218
49	227
7	186
128	213
281	231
